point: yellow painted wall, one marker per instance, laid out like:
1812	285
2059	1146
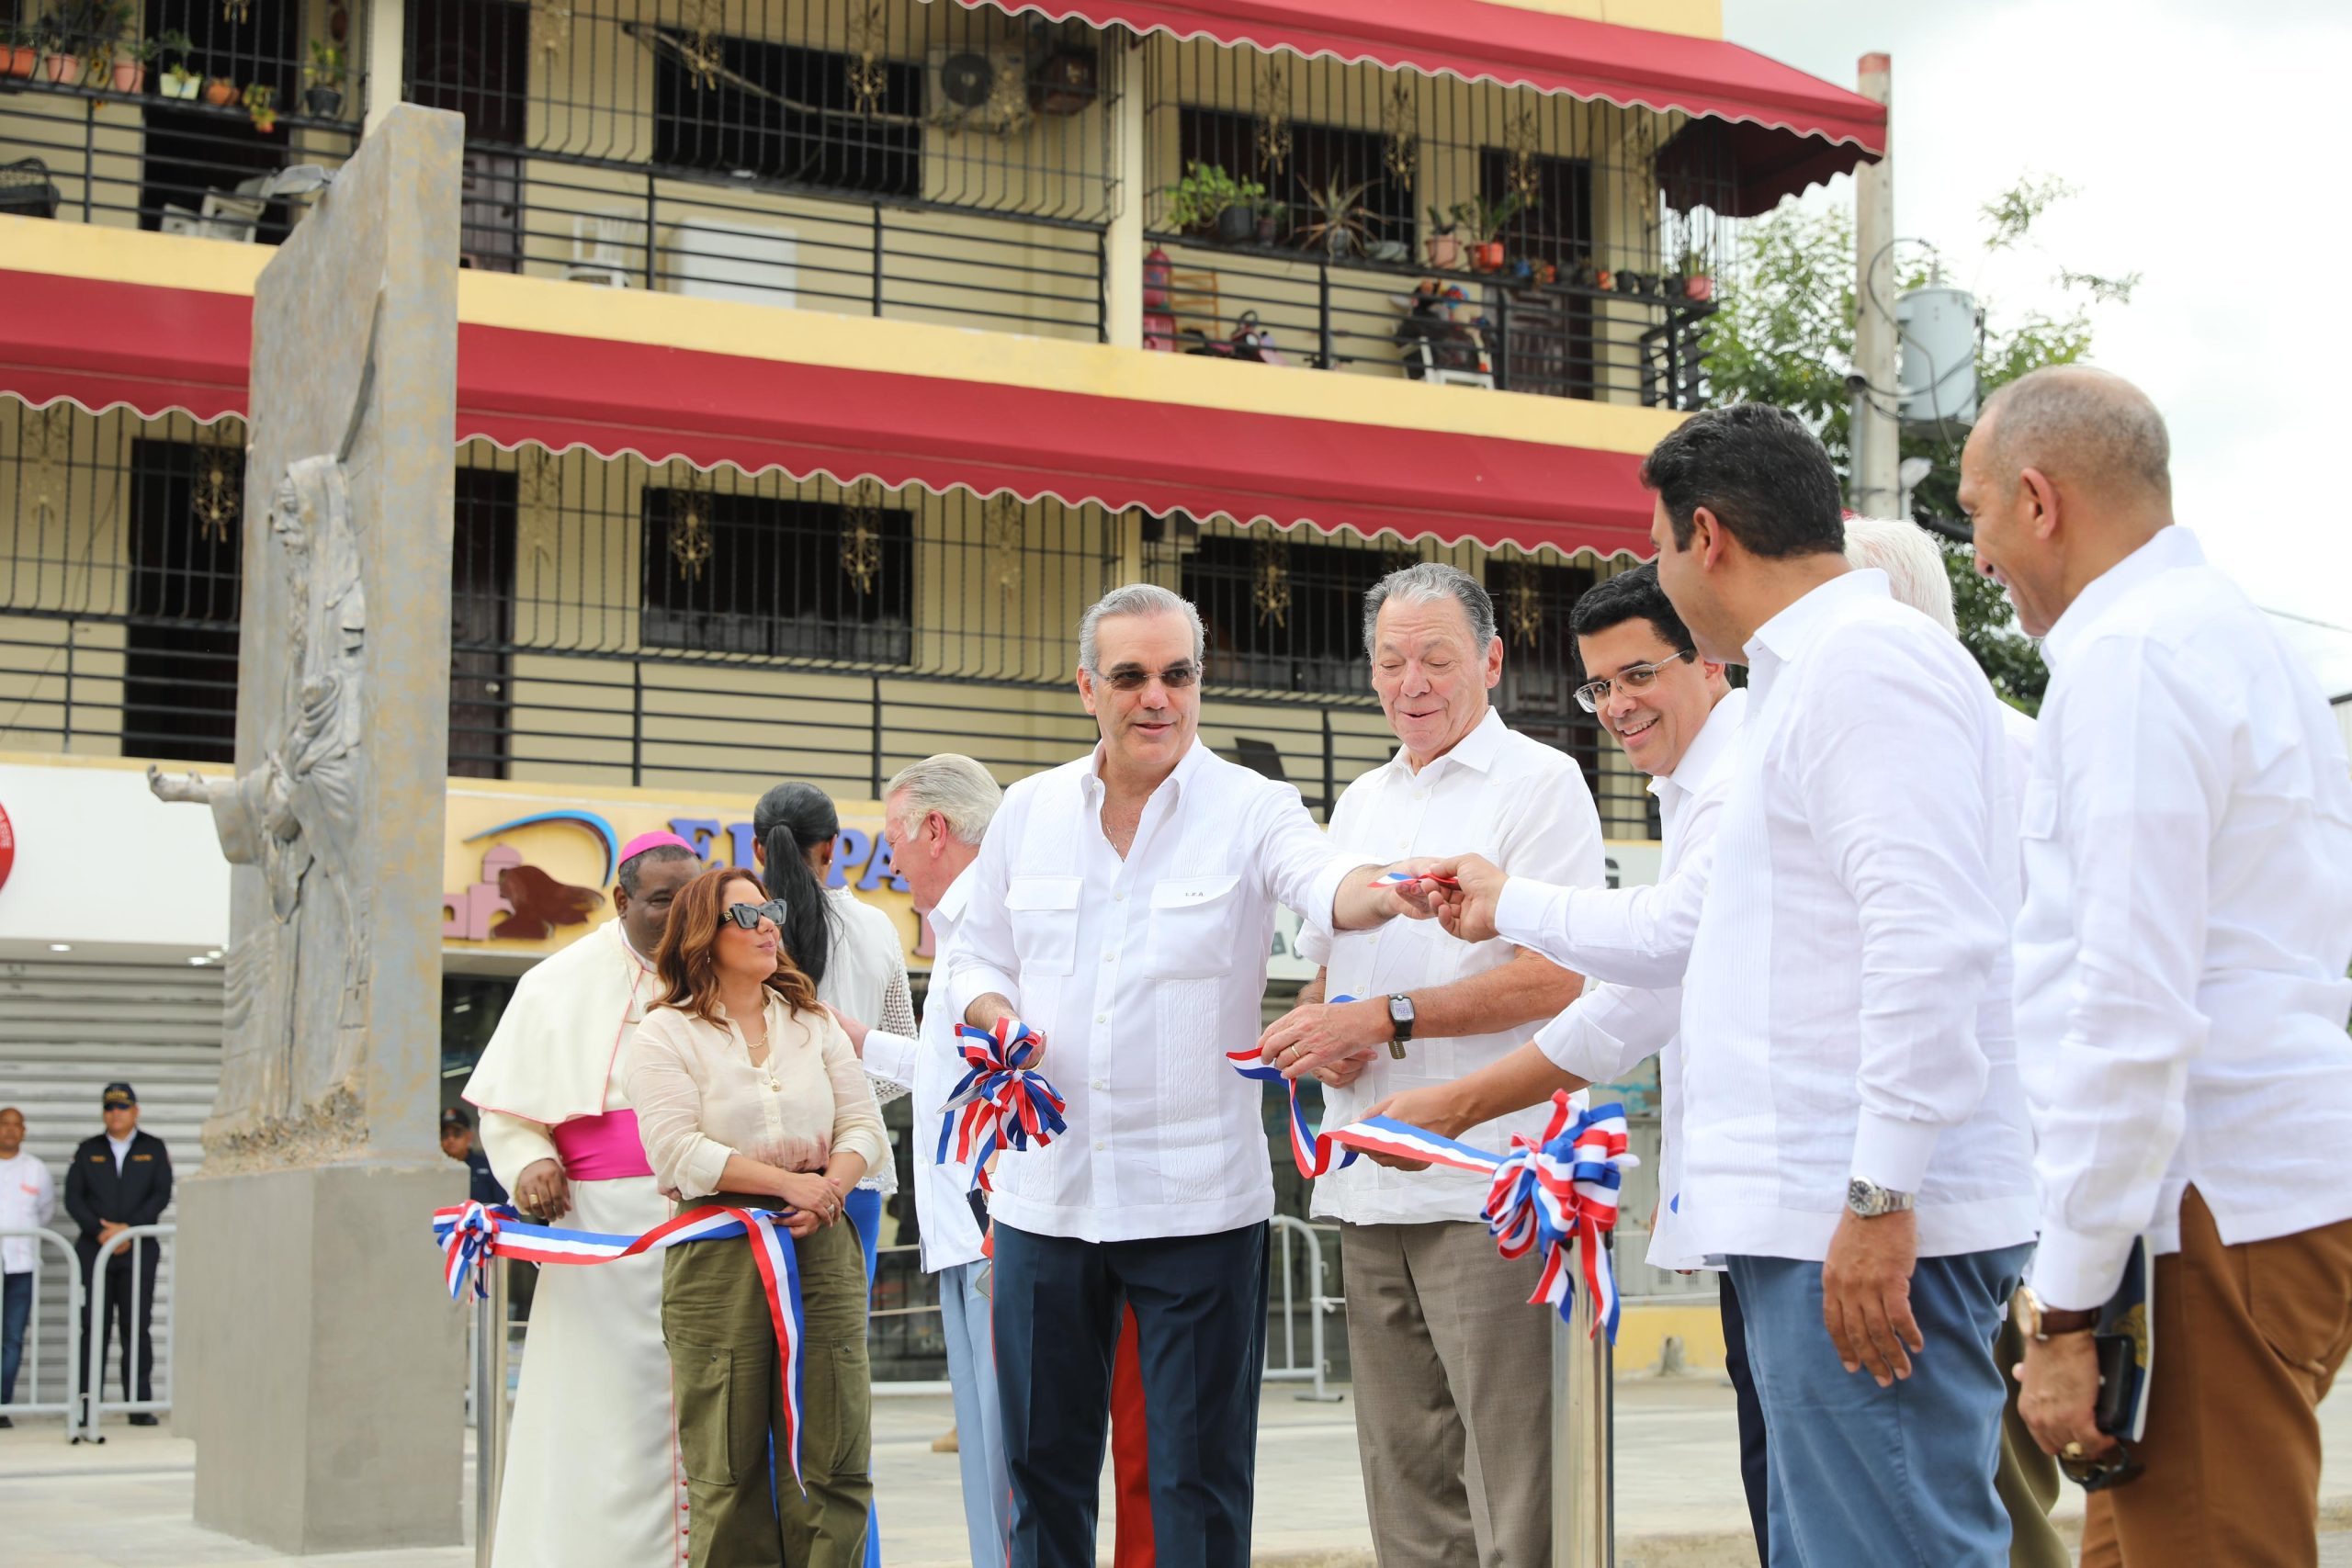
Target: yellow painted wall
1694	18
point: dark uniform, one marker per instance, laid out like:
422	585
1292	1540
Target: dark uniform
96	1193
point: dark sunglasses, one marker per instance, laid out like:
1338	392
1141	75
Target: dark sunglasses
1176	677
748	916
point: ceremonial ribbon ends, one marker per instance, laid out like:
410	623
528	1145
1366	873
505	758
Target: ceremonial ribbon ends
999	1102
1313	1151
470	1234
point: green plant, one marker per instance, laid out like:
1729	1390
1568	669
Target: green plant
327	68
1485	220
1338	222
1441	220
173	49
77	27
1207	190
260	100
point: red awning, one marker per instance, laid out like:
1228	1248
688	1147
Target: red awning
1805	130
99	344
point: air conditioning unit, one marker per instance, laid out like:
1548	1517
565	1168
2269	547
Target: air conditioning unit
979	90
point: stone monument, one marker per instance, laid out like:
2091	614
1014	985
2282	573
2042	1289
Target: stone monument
322	1367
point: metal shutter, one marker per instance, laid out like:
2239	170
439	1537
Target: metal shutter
67	1030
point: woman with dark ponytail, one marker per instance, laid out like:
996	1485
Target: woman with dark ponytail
852	953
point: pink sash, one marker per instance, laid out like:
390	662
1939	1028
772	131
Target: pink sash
601	1148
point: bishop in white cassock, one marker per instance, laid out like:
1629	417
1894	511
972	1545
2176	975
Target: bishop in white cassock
592	1470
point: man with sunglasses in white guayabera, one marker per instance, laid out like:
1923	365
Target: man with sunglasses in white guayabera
1123	906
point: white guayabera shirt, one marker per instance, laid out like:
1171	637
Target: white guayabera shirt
1142	974
1522	805
2181	990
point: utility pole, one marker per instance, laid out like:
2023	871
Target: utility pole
1876	437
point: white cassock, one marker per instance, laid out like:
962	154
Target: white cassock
592	1470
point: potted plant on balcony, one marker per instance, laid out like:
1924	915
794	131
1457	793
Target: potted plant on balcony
1487	220
1690	280
1271	216
18	52
221	92
322	99
261	107
1210	202
1445	250
68	32
124	58
179	81
1339	226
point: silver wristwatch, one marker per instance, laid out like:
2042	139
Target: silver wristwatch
1869	1200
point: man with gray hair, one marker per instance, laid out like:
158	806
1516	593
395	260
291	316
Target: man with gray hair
934	817
1123	906
1449	1362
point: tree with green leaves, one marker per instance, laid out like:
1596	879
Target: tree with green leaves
1786	336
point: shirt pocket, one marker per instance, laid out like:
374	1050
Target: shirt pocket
1192	927
1045	923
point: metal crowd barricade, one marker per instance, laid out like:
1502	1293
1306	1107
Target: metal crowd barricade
488	1396
29	1379
94	1383
1320	1305
1584	1435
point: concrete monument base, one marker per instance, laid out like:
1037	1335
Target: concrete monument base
318	1360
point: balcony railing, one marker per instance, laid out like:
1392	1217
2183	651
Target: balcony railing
622	622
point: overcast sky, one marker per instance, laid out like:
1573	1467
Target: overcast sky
2202	141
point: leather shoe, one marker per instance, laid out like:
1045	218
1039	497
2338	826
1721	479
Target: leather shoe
143	1418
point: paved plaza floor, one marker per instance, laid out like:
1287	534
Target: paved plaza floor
126	1505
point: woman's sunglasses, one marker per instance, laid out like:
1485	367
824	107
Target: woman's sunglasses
748	916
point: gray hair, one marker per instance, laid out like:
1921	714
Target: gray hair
956	787
1134	599
631	869
1914	566
2081	424
1428	583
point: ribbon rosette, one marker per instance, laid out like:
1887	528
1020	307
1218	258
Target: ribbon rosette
1558	1195
471	1234
999	1102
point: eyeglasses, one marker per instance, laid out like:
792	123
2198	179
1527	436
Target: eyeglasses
1176	677
1633	678
748	916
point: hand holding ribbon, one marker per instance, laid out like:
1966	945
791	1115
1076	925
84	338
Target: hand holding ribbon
999	1102
1313	1152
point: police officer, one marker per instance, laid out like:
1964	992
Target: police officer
120	1178
458	1143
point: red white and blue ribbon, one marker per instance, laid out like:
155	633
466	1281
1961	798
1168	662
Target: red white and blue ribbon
1314	1151
999	1102
1557	1196
1406	879
471	1234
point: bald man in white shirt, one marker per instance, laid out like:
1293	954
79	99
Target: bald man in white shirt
2180	983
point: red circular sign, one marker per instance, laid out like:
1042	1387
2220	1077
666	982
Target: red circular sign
7	847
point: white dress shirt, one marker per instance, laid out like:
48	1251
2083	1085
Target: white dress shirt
2181	991
1846	1011
1141	973
27	1202
1522	805
1612	1027
928	1065
121	1147
865	978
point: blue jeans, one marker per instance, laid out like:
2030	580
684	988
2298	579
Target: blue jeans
1897	1477
16	1311
979	1423
862	1209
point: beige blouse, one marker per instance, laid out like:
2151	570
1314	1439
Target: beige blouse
699	1099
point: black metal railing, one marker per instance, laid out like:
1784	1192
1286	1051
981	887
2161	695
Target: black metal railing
172	115
875	157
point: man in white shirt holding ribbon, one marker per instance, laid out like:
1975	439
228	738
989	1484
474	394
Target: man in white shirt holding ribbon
1123	906
934	814
2181	993
1445	1347
1855	1149
591	1462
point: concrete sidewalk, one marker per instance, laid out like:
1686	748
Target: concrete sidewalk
126	1505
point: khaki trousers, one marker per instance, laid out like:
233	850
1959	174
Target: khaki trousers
2027	1479
2247	1340
1454	1396
728	1386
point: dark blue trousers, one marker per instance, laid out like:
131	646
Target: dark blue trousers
1753	1475
1200	1305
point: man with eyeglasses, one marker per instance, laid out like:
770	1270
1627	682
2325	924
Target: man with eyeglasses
1678	720
1438	1327
1123	906
1855	1147
588	1478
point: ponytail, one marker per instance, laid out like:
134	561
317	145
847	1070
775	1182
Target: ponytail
789	819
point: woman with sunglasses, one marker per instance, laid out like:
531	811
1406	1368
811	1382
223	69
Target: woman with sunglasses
852	952
748	1093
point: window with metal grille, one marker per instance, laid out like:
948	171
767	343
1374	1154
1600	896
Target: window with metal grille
1537	695
755	574
179	665
1312	158
1284	615
193	158
1550	348
804	117
482	624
